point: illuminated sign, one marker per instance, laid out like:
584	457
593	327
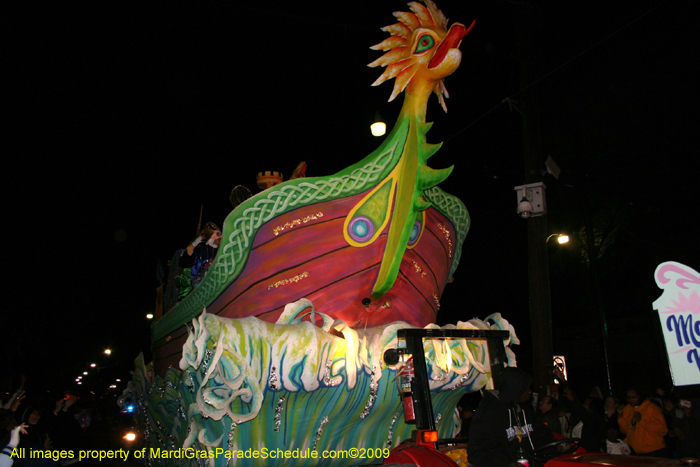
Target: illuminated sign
679	313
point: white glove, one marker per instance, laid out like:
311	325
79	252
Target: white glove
14	435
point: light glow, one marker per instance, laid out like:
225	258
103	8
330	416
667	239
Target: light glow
130	436
378	128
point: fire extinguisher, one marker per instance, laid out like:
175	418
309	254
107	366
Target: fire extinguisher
406	376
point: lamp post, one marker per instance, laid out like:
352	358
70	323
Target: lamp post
532	206
538	261
540	304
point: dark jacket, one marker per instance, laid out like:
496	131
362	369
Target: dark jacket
501	426
593	432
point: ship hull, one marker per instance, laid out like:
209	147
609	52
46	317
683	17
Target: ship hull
304	254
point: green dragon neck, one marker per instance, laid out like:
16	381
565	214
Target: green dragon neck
413	177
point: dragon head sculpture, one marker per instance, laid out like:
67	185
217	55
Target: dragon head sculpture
421	51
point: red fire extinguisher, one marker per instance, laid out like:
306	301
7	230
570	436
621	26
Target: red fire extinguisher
406	376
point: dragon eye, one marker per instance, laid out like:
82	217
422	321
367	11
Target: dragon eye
426	42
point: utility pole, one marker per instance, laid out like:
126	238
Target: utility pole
538	260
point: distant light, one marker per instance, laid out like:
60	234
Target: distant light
130	408
85	372
130	436
79	382
80	377
93	365
118	380
149	316
108	352
378	128
112	386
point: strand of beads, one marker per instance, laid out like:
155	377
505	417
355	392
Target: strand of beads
319	432
272	380
390	437
373	386
278	414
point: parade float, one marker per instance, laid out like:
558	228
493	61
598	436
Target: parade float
280	346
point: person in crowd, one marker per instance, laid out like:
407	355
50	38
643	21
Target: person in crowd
10	437
65	429
687	429
588	414
610	416
671	411
6	459
644	424
596	393
504	424
565	418
16	399
36	430
465	409
613	443
549	413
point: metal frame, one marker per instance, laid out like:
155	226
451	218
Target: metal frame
422	402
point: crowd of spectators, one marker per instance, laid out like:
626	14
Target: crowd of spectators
49	422
658	424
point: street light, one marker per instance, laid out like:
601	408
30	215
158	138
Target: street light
378	127
561	238
108	351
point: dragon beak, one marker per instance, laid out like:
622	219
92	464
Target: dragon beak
451	41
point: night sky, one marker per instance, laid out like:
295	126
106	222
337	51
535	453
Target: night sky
122	118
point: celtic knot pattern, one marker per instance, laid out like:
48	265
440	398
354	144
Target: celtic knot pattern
455	210
242	227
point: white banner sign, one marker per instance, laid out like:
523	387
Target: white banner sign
679	312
